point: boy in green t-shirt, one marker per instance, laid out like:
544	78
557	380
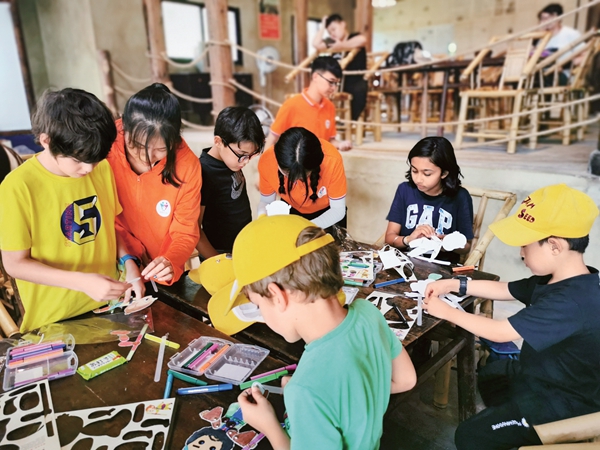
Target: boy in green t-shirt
57	215
339	393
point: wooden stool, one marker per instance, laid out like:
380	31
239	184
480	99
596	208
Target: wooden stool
342	101
371	114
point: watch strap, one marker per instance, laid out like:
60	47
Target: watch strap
127	257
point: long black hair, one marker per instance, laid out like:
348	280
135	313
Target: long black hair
154	112
298	151
440	152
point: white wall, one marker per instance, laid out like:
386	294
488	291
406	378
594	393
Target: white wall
14	114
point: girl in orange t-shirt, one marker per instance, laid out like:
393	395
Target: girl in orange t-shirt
308	174
158	182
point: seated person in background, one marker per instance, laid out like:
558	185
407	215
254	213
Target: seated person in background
558	373
312	109
297	296
308	174
57	215
562	36
339	43
432	201
158	180
225	207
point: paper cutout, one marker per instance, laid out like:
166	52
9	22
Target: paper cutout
224	430
27	419
131	306
278	208
148	421
399	327
392	258
432	246
350	293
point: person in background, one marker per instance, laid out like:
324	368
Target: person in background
158	181
340	42
312	109
225	207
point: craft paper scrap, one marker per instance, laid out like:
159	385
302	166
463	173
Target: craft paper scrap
28	419
144	423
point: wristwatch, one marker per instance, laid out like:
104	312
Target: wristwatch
462	290
124	258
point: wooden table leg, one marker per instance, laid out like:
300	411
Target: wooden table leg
440	130
424	100
465	364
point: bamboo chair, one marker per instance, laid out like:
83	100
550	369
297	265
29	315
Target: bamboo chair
569	434
520	60
370	118
555	95
9	293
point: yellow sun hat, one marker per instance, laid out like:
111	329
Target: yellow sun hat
261	249
556	210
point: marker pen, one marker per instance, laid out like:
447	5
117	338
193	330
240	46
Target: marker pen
168	385
389	282
281	369
156	339
212	359
187	378
197	354
203	357
205	389
353	283
263	380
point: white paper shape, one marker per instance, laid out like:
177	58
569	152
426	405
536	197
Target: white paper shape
153	409
453	241
378	297
410	316
278	208
232	372
40	439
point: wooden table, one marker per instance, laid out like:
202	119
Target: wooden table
449	68
134	381
192	299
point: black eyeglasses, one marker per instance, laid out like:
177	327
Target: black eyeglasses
242	158
331	83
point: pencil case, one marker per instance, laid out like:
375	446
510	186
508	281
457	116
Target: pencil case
50	369
226	361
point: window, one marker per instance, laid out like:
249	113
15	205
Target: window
186	30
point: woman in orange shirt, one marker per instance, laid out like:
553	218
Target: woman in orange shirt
308	174
158	182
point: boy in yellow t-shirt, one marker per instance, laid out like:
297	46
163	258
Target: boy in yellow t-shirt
58	210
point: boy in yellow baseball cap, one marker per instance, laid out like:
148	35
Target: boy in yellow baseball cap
558	373
340	390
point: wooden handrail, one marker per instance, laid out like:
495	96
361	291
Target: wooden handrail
533	60
349	57
376	64
305	63
475	62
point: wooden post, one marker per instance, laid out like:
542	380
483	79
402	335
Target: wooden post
363	21
156	41
221	65
300	37
108	85
16	20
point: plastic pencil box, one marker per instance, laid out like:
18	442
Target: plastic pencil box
218	359
51	359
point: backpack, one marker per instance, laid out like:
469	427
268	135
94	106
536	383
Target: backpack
403	53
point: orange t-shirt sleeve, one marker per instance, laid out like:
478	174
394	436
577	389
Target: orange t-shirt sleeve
282	120
267	171
184	232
